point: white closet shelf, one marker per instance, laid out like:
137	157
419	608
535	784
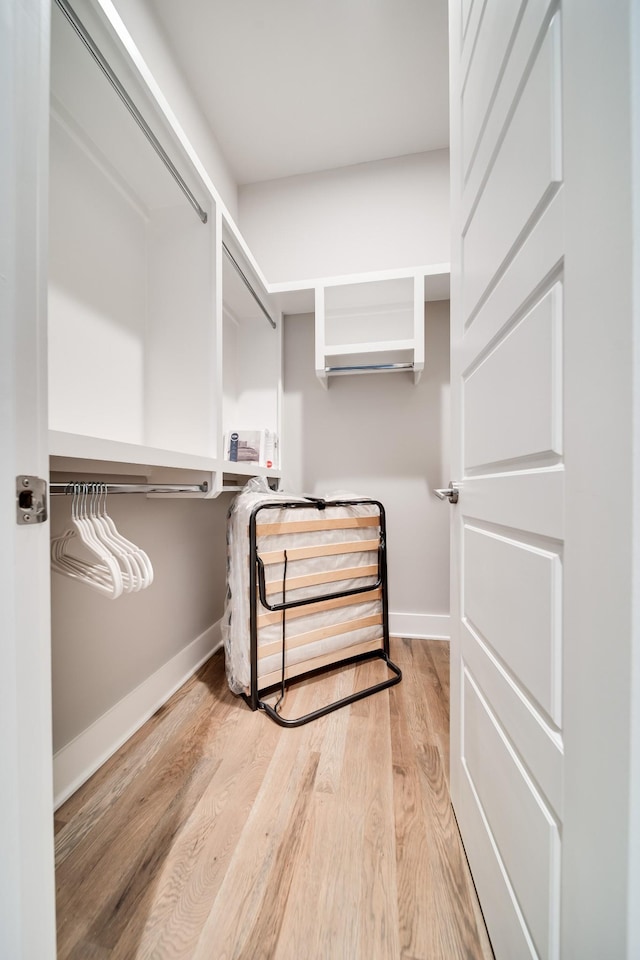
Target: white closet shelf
248	469
379	346
79	447
235	475
71	453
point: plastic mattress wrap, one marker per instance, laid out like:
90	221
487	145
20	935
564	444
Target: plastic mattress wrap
236	620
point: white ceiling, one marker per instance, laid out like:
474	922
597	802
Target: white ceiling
294	86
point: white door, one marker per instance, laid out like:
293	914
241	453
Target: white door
27	907
542	399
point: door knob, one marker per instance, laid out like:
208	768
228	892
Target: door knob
450	494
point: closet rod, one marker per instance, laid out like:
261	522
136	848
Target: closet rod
95	52
247	284
372	367
59	489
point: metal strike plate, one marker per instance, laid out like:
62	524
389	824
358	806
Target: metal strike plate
31	500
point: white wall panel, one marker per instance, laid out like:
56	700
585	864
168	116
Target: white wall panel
179	392
97	298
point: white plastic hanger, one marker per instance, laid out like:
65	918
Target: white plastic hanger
117	565
133	575
130	554
102	571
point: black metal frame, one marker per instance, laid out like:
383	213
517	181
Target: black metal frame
257	587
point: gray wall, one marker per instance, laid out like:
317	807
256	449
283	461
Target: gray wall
381	436
102	649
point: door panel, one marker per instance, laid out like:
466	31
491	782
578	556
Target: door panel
510	937
532	27
513	399
484	70
469	8
506	794
512	598
526	168
524	500
530	736
507	355
535	266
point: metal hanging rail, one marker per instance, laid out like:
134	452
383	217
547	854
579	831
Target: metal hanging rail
95	52
60	489
247	284
369	368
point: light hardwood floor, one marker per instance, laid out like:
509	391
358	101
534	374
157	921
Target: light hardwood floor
213	833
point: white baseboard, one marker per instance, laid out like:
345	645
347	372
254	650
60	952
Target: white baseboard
420	626
78	760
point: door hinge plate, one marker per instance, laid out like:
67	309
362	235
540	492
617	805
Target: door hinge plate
31	500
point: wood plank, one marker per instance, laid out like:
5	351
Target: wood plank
173	781
200	855
276	817
217	833
379	920
426	710
320	605
356	819
335	738
323	576
460	932
94	800
432	871
320	550
310	526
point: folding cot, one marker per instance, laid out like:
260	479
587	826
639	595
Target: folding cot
307	591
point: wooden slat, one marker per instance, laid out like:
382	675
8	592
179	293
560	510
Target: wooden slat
324	576
320	550
308	526
321	605
322	633
323	661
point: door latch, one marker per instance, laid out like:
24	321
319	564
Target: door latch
451	493
31	500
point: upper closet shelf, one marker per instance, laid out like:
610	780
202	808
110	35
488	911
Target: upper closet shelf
374	323
298	296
